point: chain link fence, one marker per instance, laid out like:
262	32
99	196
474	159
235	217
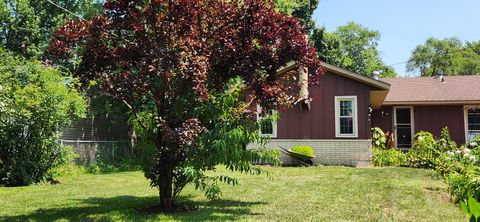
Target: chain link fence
91	152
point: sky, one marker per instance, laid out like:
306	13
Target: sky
404	24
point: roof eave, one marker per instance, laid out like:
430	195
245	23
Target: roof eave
455	102
343	72
355	76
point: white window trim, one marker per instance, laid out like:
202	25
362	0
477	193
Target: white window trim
465	118
354	115
274	125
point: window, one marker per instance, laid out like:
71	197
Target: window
346	123
472	122
268	126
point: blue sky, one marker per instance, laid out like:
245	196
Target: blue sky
404	24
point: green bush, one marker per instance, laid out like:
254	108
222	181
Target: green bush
445	143
458	185
475	142
390	157
456	161
424	153
379	139
303	150
35	103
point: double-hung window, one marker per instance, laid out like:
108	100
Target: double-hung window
346	122
268	126
472	122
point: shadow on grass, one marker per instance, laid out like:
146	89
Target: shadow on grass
125	208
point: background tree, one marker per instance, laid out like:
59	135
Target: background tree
352	47
26	26
301	9
35	102
183	68
450	56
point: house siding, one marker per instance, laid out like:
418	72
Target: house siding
319	121
427	118
434	118
316	127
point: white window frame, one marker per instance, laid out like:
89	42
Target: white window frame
354	100
274	124
465	118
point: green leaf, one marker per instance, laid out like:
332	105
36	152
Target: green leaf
474	206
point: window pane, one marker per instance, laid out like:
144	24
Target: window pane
266	127
346	125
474	119
403	115
346	108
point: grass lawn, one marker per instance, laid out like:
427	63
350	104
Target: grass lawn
295	194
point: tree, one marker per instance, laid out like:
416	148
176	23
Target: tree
26	25
184	68
351	47
35	102
302	9
450	56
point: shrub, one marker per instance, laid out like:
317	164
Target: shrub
455	161
391	157
423	153
303	150
458	186
445	143
379	140
35	102
475	142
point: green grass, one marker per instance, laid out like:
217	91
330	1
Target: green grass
294	194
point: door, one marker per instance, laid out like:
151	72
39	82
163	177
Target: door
403	123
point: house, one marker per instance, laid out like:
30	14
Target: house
336	123
429	104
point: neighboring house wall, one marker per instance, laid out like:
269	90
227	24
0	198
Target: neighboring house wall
431	118
98	128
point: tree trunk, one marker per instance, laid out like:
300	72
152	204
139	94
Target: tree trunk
166	191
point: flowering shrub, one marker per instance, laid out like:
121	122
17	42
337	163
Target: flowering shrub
475	142
423	153
455	161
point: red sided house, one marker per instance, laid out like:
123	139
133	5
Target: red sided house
336	123
338	119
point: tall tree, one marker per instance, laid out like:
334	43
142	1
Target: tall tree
35	102
351	47
26	25
302	9
449	56
183	68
